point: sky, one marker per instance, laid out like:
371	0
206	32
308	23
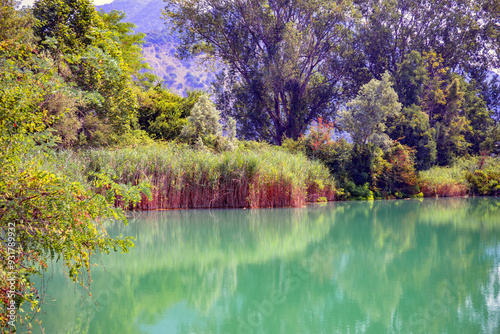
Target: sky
96	2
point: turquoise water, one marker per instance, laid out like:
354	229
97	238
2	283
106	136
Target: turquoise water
409	266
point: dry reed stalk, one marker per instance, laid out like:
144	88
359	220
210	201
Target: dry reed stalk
443	189
182	178
233	194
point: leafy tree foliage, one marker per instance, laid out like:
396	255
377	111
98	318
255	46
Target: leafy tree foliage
121	33
394	172
465	33
424	46
274	52
163	114
68	22
445	116
43	215
15	24
367	113
481	132
412	128
97	55
204	119
319	144
410	79
203	128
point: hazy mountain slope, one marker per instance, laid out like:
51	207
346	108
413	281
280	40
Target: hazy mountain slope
178	75
159	47
145	14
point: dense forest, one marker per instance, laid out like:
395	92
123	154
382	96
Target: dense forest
314	100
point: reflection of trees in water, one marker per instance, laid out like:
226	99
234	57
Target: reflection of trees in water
383	266
186	238
388	276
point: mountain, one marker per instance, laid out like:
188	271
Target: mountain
159	47
145	14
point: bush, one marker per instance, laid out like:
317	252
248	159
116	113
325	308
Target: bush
395	174
163	114
204	129
355	192
360	169
484	182
319	145
361	163
203	120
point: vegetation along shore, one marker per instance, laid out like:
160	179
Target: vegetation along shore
311	101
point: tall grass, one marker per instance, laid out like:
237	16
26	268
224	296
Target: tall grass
185	178
455	180
446	181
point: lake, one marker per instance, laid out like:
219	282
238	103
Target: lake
402	266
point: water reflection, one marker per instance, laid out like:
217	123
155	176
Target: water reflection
359	267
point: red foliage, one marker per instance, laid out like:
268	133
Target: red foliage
321	134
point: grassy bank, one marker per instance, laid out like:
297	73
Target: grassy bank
477	176
251	176
182	177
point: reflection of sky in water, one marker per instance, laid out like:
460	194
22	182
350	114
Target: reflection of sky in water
493	251
171	321
491	293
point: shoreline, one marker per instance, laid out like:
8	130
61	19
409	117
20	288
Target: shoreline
307	204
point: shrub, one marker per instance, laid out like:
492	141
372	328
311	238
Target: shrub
203	127
395	174
163	114
360	169
320	145
203	121
484	182
355	192
361	163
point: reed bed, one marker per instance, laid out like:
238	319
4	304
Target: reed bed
181	177
443	182
453	181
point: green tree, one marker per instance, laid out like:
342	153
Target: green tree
394	172
451	126
275	54
443	100
43	215
163	114
203	120
465	33
410	78
129	43
412	128
366	115
15	24
437	98
481	133
68	22
99	55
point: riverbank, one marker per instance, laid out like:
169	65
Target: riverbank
254	175
475	176
182	177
